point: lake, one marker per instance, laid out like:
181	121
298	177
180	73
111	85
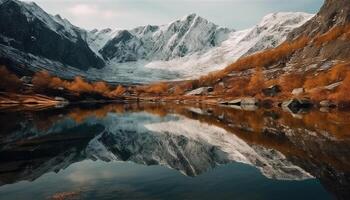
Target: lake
173	151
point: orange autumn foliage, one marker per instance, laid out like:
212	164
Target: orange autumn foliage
182	87
157	88
9	82
257	81
118	91
178	90
343	92
261	59
336	74
43	80
237	87
332	35
289	82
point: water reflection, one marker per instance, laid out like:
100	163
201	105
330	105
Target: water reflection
195	140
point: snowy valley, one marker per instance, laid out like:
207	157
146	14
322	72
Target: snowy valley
186	48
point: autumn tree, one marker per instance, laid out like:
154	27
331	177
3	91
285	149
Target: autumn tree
343	92
118	91
9	82
41	80
257	82
157	88
289	82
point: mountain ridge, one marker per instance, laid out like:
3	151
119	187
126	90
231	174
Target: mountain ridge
41	34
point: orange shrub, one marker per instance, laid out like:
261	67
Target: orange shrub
178	90
332	34
336	74
289	82
118	91
79	85
237	87
157	88
41	79
57	83
101	88
9	82
343	92
257	81
319	95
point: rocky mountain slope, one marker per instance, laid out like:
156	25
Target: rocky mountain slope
333	14
37	33
186	48
313	59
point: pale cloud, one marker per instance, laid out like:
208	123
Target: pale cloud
91	11
127	14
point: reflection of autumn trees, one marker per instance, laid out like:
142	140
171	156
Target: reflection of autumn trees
267	128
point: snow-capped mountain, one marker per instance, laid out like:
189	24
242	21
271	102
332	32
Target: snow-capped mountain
97	39
186	48
177	39
269	33
35	32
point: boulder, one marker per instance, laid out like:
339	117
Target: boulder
241	101
26	79
249	107
327	103
324	109
295	105
60	99
235	102
333	86
298	91
199	91
249	101
272	90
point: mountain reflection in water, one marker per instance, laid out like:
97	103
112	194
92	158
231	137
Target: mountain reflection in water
274	148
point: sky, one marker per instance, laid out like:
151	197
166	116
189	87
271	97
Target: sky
126	14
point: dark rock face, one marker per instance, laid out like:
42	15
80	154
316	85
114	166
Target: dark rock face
124	47
272	91
333	13
29	33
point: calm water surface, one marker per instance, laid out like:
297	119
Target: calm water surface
154	151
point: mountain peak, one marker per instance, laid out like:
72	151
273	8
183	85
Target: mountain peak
190	16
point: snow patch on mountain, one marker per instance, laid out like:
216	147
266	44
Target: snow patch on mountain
55	23
97	39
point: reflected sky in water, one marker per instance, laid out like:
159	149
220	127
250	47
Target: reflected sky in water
118	180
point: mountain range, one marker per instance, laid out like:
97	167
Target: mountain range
185	48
